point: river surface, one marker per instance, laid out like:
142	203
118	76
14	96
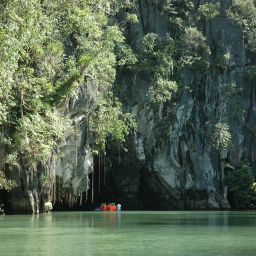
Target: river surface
129	234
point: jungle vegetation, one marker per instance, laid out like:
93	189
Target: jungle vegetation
48	49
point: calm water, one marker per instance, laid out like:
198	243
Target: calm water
129	233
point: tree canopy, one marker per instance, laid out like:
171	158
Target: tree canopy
48	49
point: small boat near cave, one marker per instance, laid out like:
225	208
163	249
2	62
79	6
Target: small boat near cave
108	207
112	207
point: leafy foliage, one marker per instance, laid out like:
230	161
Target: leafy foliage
221	136
244	13
250	74
37	137
196	51
253	187
108	119
179	13
241	185
156	59
208	11
6	184
162	57
48	49
162	90
229	101
131	18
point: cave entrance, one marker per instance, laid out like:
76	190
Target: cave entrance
102	188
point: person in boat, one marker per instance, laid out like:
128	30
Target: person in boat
108	207
112	207
118	207
48	206
103	207
1	209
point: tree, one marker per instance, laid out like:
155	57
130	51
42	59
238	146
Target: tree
244	13
49	49
6	184
221	136
241	186
208	11
196	51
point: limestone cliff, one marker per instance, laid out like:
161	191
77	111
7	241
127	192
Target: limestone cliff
170	163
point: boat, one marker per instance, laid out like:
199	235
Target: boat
108	207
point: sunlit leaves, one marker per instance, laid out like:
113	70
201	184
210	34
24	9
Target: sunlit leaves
109	120
48	49
5	183
131	18
162	90
36	137
196	50
208	11
221	136
156	58
244	13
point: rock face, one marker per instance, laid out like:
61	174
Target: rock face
171	163
63	179
75	161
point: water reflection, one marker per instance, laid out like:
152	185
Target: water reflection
129	233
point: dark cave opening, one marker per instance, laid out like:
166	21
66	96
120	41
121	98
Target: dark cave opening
102	190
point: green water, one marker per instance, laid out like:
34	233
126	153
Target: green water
129	233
